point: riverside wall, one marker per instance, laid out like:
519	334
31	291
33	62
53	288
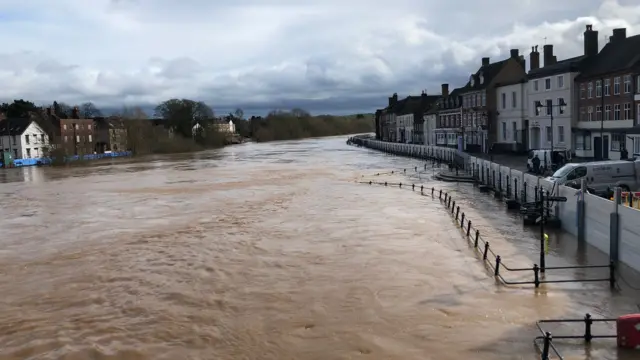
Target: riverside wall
608	225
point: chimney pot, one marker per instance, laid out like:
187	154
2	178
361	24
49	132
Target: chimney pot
485	61
590	41
445	90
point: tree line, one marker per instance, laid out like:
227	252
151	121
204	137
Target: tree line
179	116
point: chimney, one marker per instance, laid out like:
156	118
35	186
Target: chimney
523	62
445	90
619	34
485	61
547	55
534	58
75	113
49	111
390	101
515	53
590	41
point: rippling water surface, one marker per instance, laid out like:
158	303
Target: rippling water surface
265	251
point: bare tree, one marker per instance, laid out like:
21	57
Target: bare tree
89	111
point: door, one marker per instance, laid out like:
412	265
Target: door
605	147
535	138
597	148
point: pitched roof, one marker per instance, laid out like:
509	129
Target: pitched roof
616	56
568	65
414	104
488	72
15	126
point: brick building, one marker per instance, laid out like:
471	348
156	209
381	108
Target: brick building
76	136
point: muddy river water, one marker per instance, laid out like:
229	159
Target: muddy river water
268	251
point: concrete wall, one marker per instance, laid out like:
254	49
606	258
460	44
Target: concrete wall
597	211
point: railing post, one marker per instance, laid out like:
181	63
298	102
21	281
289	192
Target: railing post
612	274
546	345
400	185
587	328
462	220
497	271
453	207
475	242
457	210
385	183
440	192
468	229
536	275
486	251
422	189
446	195
413	187
524	192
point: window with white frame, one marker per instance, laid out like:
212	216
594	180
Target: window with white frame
636	145
560	134
560	108
560	81
627	84
504	130
616	85
535	85
484	99
616	112
590	113
549	134
549	107
547	84
607	87
535	109
616	141
583	91
590	90
627	112
578	141
607	112
598	88
598	113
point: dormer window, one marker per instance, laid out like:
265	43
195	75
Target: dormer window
472	81
481	78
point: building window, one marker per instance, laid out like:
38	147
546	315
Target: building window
638	85
607	87
627	112
590	90
582	91
514	100
549	134
560	134
598	88
535	85
514	125
89	126
28	153
590	113
627	84
638	113
616	85
504	100
578	142
504	130
616	141
583	114
42	137
76	126
26	139
607	112
77	138
15	140
560	108
547	84
549	107
66	138
560	81
598	113
616	112
64	126
484	99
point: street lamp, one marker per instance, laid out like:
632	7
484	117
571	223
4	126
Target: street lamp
549	106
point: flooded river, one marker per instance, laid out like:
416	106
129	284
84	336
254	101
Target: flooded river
267	251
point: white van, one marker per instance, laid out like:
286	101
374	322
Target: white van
601	176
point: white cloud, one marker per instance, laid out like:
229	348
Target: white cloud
328	55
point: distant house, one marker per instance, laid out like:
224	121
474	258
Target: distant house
225	126
111	135
76	136
23	138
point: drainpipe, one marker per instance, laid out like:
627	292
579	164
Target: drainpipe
602	118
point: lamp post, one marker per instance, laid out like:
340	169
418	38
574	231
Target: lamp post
549	106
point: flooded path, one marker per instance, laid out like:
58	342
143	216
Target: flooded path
264	251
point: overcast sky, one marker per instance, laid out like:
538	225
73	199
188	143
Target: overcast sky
328	56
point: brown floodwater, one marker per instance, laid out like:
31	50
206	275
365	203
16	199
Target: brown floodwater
271	251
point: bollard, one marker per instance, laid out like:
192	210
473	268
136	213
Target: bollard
421	188
440	192
413	187
536	275
432	190
445	197
497	270
587	328
468	229
449	204
400	185
486	251
457	210
546	345
462	221
475	242
612	274
370	182
391	172
385	183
